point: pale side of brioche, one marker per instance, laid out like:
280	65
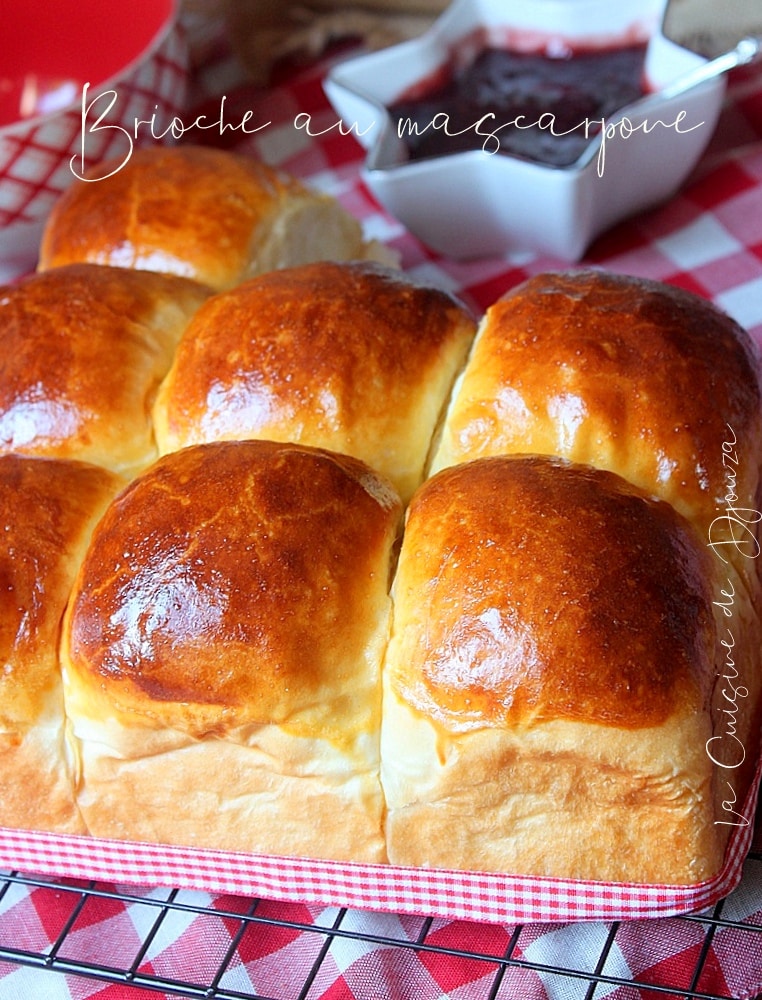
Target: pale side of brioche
85	348
211	215
622	373
550	678
351	356
222	653
47	511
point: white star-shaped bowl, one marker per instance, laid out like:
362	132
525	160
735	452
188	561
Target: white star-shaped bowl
484	204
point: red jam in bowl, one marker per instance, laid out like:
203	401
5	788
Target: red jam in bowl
540	106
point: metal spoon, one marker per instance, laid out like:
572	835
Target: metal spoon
747	51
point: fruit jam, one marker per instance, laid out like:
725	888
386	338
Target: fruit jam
540	107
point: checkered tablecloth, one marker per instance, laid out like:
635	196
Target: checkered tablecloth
708	239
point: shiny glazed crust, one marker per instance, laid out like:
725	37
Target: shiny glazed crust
222	653
47	509
210	215
354	357
621	373
84	349
549	679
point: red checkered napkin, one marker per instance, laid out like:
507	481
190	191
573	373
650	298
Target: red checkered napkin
373	955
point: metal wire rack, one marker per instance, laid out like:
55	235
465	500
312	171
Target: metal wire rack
218	976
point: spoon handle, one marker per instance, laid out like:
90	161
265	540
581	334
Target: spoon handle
747	51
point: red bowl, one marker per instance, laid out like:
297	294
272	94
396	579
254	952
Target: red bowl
74	80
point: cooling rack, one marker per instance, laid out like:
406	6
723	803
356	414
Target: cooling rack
234	930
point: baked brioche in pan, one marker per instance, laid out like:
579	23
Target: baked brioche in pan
351	356
561	674
211	215
222	653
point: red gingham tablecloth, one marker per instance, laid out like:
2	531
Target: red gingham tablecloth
708	239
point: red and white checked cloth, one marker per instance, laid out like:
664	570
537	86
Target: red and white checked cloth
709	239
273	958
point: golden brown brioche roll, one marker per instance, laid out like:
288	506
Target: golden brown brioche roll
354	357
84	350
625	374
47	511
222	653
207	214
549	680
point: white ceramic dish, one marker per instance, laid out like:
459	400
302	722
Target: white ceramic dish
480	204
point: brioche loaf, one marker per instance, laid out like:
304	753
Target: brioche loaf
222	653
84	350
355	357
207	214
47	511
